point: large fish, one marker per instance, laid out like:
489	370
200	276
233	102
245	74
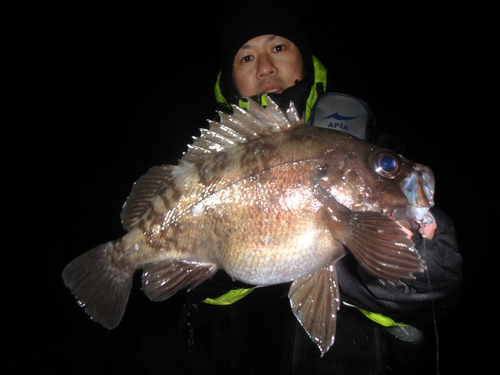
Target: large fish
269	201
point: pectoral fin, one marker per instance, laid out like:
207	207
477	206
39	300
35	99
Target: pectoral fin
161	280
382	247
315	302
379	243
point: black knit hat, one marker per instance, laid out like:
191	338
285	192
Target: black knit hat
245	22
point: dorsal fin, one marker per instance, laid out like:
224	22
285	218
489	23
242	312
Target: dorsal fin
221	136
143	191
240	127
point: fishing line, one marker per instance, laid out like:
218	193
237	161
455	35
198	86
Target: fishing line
424	237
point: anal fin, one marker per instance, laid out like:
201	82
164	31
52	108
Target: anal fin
315	302
161	280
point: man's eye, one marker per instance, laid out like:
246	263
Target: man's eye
279	48
247	59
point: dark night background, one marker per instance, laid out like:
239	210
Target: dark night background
98	93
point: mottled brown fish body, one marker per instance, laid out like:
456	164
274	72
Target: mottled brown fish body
255	214
269	201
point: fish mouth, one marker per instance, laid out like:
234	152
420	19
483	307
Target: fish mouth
419	189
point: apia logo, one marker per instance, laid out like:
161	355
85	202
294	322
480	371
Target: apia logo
336	116
338	125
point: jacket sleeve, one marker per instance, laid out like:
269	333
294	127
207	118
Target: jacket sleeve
410	303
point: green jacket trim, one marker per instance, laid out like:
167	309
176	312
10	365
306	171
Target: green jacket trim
381	319
320	76
218	93
230	297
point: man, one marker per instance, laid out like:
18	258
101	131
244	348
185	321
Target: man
265	53
268	56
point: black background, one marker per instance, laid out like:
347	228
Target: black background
98	93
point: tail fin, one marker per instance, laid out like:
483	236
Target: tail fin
102	292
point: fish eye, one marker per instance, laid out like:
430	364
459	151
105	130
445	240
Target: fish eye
387	164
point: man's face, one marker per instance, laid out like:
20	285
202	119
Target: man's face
267	63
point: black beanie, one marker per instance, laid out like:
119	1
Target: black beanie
245	22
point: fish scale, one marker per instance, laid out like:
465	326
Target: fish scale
268	200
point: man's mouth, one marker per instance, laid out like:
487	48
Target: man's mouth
272	89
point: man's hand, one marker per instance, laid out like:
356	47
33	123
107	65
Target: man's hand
427	228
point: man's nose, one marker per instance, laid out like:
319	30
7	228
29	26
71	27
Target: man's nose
266	66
